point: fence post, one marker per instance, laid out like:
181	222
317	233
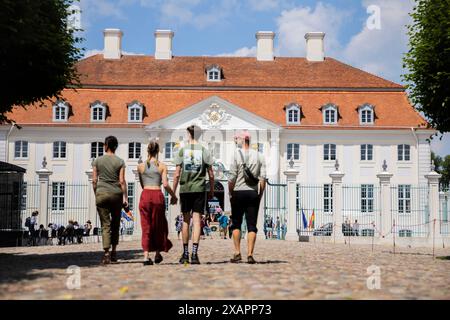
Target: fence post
291	180
92	208
44	178
336	179
433	203
137	223
385	201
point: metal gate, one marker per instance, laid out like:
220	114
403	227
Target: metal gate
275	211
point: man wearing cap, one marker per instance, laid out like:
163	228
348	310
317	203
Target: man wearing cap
247	181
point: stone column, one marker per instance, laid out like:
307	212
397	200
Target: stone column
433	203
44	179
273	170
385	219
92	208
137	218
336	179
291	180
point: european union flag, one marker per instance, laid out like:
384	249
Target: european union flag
305	221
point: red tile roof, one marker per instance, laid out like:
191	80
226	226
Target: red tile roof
263	88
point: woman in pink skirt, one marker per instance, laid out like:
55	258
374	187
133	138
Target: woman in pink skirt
152	174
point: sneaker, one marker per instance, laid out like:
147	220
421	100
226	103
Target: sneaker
250	260
148	262
158	258
236	258
194	259
184	259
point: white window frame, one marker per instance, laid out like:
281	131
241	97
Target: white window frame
260	147
22	150
327	156
366	108
328	198
59	151
367	198
58	196
333	110
65	108
131	193
211	71
364	152
295	111
135	106
98	105
134	150
290	148
169	148
404	199
402	153
99	149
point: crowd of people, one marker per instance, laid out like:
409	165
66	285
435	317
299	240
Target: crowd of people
275	228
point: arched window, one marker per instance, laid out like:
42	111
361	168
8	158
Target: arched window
293	114
135	111
98	111
330	114
213	73
60	111
366	114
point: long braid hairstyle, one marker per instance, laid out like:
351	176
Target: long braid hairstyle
153	151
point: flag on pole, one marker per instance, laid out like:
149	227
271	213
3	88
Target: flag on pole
312	220
305	222
127	215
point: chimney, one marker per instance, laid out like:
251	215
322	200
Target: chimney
163	44
264	45
314	46
113	44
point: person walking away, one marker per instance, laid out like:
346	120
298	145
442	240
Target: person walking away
192	161
152	205
247	181
284	230
110	187
356	228
223	225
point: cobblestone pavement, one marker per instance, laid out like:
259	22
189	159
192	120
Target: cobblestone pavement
286	270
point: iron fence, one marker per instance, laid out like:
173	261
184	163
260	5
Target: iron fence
275	211
444	206
410	215
314	207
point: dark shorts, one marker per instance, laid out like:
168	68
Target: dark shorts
245	202
193	202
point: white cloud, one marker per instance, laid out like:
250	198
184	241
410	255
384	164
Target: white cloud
242	52
263	5
92	9
294	23
381	51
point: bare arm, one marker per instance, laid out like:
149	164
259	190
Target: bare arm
176	178
140	171
123	185
165	182
94	178
262	187
211	182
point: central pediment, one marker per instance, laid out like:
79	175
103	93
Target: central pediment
213	113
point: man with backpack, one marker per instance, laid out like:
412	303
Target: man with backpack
246	184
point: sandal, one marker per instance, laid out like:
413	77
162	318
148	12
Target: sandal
236	258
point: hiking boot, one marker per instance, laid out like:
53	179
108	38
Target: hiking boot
236	258
194	259
158	258
184	259
250	260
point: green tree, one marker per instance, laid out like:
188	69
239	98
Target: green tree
443	167
428	61
38	52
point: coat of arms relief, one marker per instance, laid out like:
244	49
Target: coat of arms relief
214	116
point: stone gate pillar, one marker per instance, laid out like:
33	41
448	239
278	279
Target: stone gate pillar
44	180
385	218
291	180
336	179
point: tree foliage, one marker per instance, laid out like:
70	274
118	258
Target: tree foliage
443	167
428	61
38	52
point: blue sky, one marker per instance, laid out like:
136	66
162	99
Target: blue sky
228	27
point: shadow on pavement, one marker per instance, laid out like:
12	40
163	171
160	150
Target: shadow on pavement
18	266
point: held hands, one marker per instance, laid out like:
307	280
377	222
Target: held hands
173	200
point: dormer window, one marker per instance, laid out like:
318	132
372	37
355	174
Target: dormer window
366	114
135	111
293	114
330	114
213	73
98	111
61	111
